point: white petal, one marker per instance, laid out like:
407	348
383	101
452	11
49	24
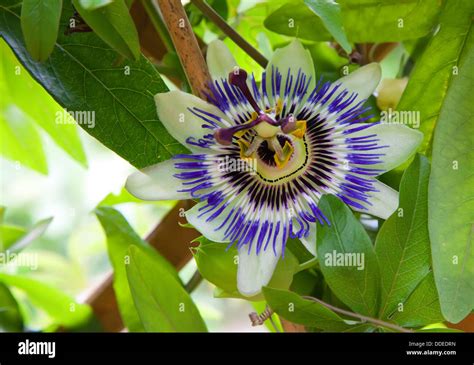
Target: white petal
294	57
401	140
255	271
384	201
219	60
156	183
363	81
310	241
208	229
173	112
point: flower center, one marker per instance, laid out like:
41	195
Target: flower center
269	129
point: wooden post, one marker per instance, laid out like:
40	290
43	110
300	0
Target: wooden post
186	45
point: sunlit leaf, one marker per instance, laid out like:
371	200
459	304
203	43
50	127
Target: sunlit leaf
21	142
10	315
17	88
31	235
160	299
120	236
62	309
83	75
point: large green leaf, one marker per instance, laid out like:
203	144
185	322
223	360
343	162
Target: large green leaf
62	309
82	74
114	24
403	244
40	23
451	187
422	306
120	236
160	299
296	309
356	285
438	67
363	21
218	265
330	13
17	88
11	319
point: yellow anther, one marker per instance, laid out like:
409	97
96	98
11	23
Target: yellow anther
300	129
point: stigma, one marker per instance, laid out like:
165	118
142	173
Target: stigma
263	126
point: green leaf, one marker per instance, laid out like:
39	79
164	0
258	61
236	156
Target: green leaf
17	86
403	244
9	235
218	265
160	299
120	236
94	4
123	197
374	21
62	309
296	309
249	26
451	187
439	66
345	239
83	76
21	141
330	13
295	19
11	319
27	238
114	24
40	23
422	307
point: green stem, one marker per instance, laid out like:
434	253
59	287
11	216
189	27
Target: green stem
214	17
308	264
375	321
194	282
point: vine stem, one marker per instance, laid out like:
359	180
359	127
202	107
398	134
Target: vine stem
194	282
214	17
359	316
314	262
186	46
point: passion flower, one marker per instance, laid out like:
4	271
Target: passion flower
295	138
